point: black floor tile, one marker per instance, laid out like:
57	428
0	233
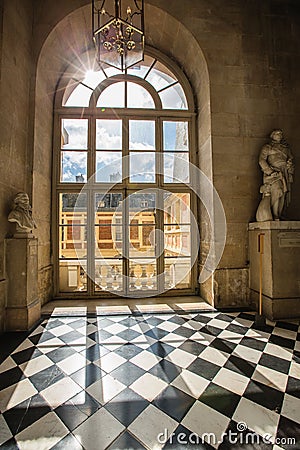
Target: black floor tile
223	346
87	375
184	332
256	344
275	363
89	406
126	441
174	402
195	348
160	349
281	341
46	377
166	371
240	365
60	353
68	443
10	377
237	329
10	445
288	431
293	387
70	415
220	399
264	395
126	406
26	413
70	337
204	368
127	373
26	355
128	351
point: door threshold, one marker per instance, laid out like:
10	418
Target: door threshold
126	306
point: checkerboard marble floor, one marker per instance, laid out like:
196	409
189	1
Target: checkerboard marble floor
171	381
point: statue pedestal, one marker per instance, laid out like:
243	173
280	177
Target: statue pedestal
23	306
280	268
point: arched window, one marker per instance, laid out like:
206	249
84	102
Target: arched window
123	221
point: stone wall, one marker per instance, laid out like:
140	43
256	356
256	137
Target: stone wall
15	146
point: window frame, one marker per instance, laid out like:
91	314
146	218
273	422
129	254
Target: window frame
92	113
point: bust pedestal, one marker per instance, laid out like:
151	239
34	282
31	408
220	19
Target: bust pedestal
280	268
23	306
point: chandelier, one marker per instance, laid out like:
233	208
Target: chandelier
118	32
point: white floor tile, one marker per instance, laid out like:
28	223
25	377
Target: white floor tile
99	431
36	365
270	377
173	339
148	386
215	356
42	434
202	338
232	381
278	351
294	370
72	363
5	433
145	360
105	389
61	330
181	358
291	408
218	323
168	326
190	383
258	419
231	336
60	392
247	353
289	334
111	361
15	394
149	424
7	364
206	423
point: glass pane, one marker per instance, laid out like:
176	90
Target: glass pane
73	240
72	207
92	79
138	97
177	208
72	276
113	96
141	241
74	134
108	221
109	167
177	273
173	98
144	204
176	136
108	239
141	68
142	167
108	134
141	135
108	205
177	240
79	97
108	275
142	275
176	168
160	76
73	167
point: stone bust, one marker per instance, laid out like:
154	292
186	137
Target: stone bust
276	162
21	214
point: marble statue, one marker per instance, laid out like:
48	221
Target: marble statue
276	162
21	214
